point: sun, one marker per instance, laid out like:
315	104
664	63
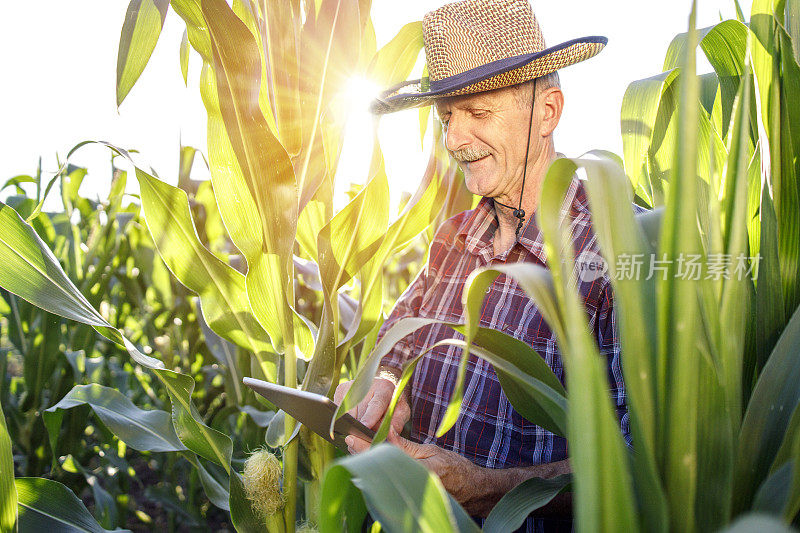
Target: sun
357	145
404	154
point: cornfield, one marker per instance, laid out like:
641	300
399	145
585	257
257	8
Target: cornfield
126	329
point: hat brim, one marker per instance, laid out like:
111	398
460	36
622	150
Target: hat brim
411	93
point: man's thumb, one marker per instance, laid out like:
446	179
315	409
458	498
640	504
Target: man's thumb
407	446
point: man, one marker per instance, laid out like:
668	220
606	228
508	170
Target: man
496	91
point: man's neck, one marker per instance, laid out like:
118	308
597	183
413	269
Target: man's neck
505	236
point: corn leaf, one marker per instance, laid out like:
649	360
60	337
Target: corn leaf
792	508
724	317
189	426
399	492
23	252
393	63
369	368
678	365
786	450
316	213
42	356
724	46
243	516
538	402
418	214
355	233
225	353
220	287
758	522
535	281
143	22
345	245
527	381
105	507
773	494
140	429
769	307
625	245
640	108
196	28
734	297
603	484
777	73
17	182
37	275
217	494
787	191
264	164
246	11
513	508
345	509
8	492
280	30
184	57
47	505
793	25
530	384
32	272
768	414
330	39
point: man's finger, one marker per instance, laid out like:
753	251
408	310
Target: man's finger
341	391
356	444
358	411
375	408
402	414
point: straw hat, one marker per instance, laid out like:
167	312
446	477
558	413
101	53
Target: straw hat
481	45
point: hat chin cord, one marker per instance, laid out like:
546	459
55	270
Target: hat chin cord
519	212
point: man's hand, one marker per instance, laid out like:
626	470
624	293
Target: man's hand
477	489
371	409
459	475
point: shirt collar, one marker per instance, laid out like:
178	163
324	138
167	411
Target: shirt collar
479	226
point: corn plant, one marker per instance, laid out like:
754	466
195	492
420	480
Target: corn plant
106	249
711	361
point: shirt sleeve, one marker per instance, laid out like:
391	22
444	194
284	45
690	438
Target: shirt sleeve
410	302
608	342
406	306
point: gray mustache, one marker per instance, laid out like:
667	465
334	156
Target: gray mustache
467	155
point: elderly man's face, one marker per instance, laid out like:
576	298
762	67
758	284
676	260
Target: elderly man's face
486	134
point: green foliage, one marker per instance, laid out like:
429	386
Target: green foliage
399	492
513	508
134	291
143	22
8	492
48	505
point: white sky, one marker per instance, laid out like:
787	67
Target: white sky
58	64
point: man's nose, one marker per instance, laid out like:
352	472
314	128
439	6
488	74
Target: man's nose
456	136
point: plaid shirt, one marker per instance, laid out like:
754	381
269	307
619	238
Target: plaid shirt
489	431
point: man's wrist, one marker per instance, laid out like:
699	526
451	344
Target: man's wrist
491	484
390	374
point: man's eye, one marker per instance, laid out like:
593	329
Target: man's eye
478	113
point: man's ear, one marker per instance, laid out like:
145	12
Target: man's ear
551	105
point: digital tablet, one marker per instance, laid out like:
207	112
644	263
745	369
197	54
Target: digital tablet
312	410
